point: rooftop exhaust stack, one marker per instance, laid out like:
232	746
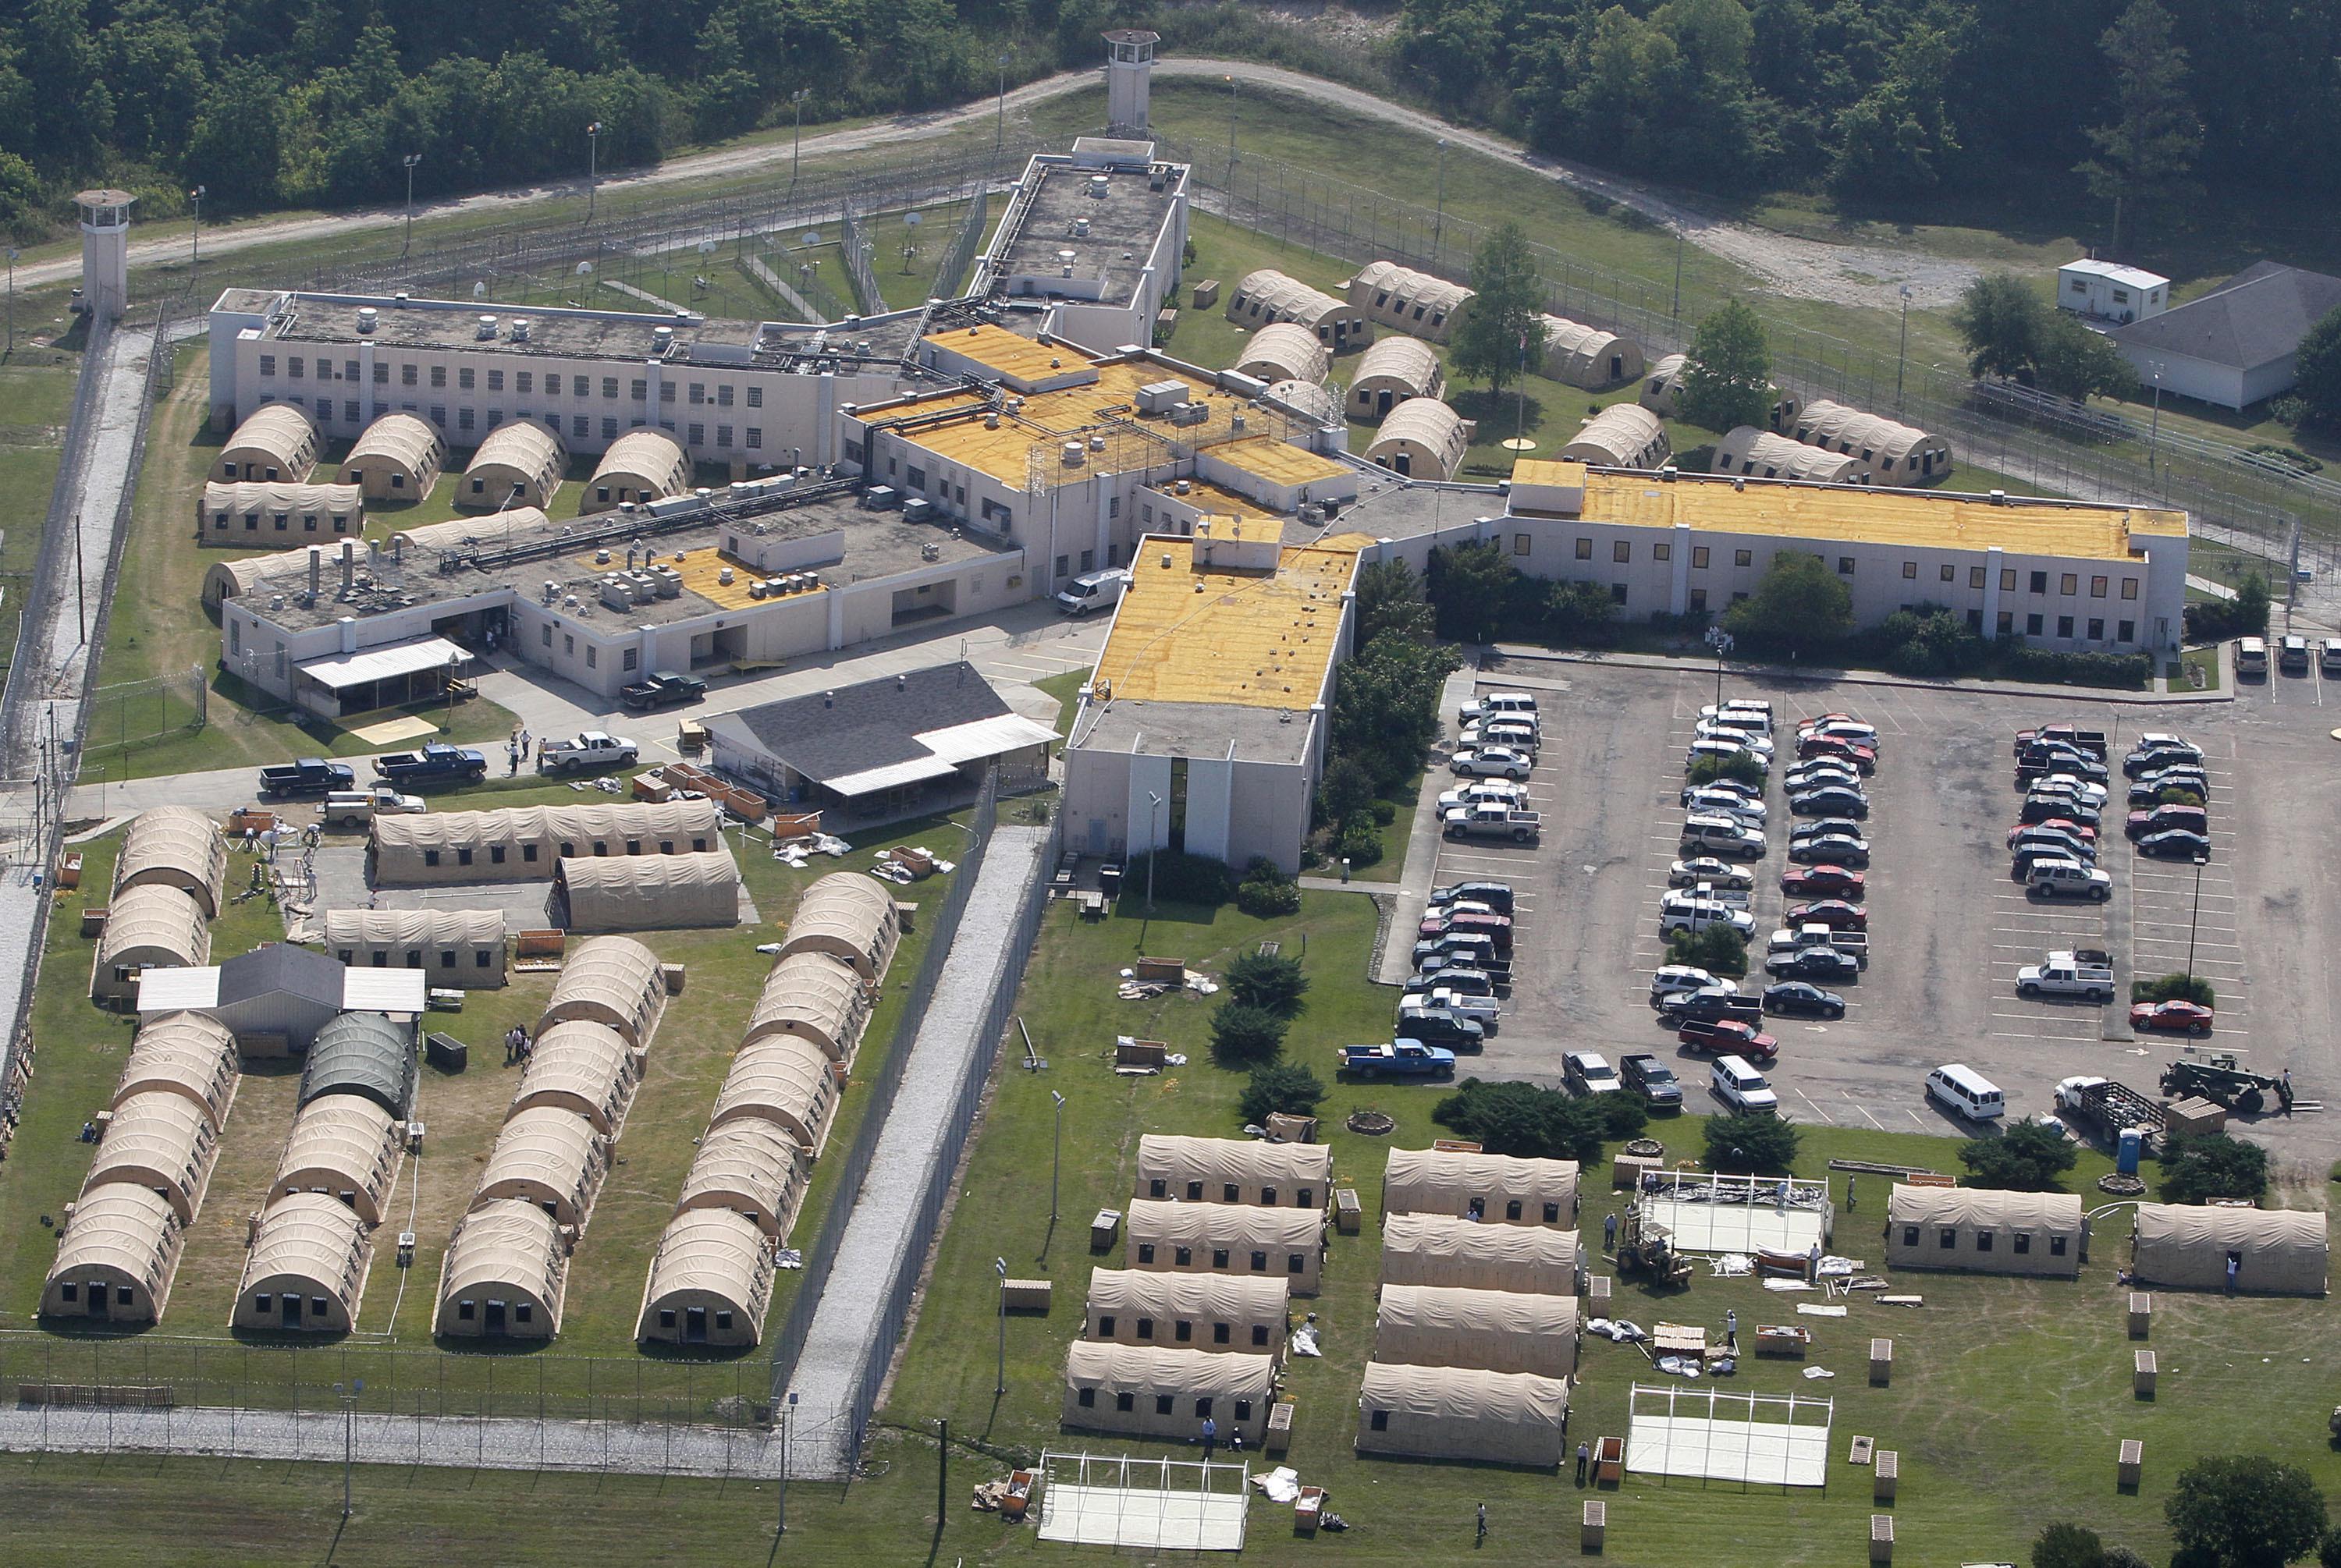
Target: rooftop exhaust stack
487	328
349	566
368	318
316	571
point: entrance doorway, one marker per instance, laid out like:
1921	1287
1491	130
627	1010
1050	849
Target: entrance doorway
695	1325
496	1318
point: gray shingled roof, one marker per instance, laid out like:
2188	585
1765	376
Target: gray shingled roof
870	725
281	967
2253	318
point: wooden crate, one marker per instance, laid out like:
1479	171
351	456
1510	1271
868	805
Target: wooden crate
1160	971
1207	293
1349	1212
1881	1538
1455	1145
1288	1128
535	951
1279	1427
69	870
2129	1463
1597	1289
1625	1170
1594	1527
1103	1228
93	920
1881	1362
1141	1053
2141	1313
1885	1473
2142	1373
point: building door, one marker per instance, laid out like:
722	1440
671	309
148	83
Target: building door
1382	401
695	1325
94	1294
1097	836
494	1322
1178	831
1402	463
291	1311
1616	367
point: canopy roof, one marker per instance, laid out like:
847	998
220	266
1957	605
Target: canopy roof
506	1243
1284	351
749	1166
366	1054
847	913
178	846
121	1226
340	671
1617	437
1176	1160
1146	1371
1439	1249
579	1065
1234	1225
1410	362
274	429
157	1139
184	1053
154	923
651	892
1445	1181
314	1239
613	980
711	1252
414	927
1230	1298
814	995
781	1078
403	439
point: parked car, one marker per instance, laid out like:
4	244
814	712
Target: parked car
1483	1010
2063	762
2175	844
1841	729
1439	1027
1495	762
2078	832
1863	760
1726	751
2149	791
1092	590
356	807
1674	979
2092	741
2155	752
2160	818
2177	1016
1726	1036
2067	879
1518	734
1491	822
1834	913
1829	801
1488	703
590	748
436	763
1398	1058
1965	1092
1823	827
1457	917
1831	849
1588	1072
2085	975
1483	792
2024	857
1760	744
1495	896
1715	787
309	776
1813	963
1707	803
1711	872
2037	808
1820	771
1803	999
2089	791
1645	1074
2037	844
1723	835
1737	1084
1823	882
1710	1002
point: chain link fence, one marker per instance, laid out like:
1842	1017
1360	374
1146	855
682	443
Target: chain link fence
135	713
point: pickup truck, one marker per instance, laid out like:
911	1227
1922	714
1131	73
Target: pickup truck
1728	1036
2092	741
1797	938
1484	1011
593	748
2105	1110
664	688
1398	1058
437	763
356	807
1709	1002
2089	975
309	776
1492	823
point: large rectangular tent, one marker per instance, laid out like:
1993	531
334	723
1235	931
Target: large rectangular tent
1709	1211
1468	1184
2276	1252
1462	1412
1234	1170
1983	1230
1766	1440
1494	1330
1441	1250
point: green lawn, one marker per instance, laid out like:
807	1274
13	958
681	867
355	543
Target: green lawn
2205	660
37	386
1067	689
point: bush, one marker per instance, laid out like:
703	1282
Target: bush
2243	1511
1385	813
2246	615
1719	949
1180	877
1285	1087
1268	898
1928	641
1622	1116
1268	981
1360	842
2212	1165
1741	768
1245	1036
1526	1121
2126	672
2067	1546
2173	988
1750	1144
2026	1157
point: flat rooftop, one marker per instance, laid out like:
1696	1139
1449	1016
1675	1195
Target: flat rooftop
1279	462
1189	634
886	337
1213	730
453	325
1122	225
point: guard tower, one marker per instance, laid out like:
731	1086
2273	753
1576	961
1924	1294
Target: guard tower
1129	77
104	252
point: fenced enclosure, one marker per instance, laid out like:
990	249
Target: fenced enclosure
135	713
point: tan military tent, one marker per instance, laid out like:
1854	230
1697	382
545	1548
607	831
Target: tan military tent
1268	295
519	464
1167	1394
1213	1311
188	1053
815	996
161	1141
1759	455
1662	387
784	1080
154	926
2276	1252
1417	302
1462	1412
369	1054
174	847
527	843
1623	435
1228	1238
583	1067
1391	372
306	1270
1896	453
397	458
264	516
1421	439
116	1259
345	1147
1439	1249
1586	356
1473	1185
710	1281
640	466
612	980
462	949
503	1274
1284	352
651	892
1494	1330
1983	1230
1234	1170
275	442
850	916
754	1168
551	1157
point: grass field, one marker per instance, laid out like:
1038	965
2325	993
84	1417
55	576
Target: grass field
36	388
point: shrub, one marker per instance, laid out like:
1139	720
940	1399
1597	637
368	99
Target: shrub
1622	1116
1285	1087
1360	842
2126	672
1385	813
2173	988
1741	768
2026	1157
1719	949
1750	1144
1524	1120
1244	1035
1268	898
1180	877
1268	981
2067	1546
2212	1165
2243	1511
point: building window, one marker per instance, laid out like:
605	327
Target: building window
1743	557
2125	631
1844	566
1519	544
439	415
1584	549
610	427
1663	552
632	656
609	388
1909	568
463	419
406	375
755	437
1949	572
576	425
698	393
2097	629
2039	582
2129	588
723	396
722	436
1618	594
292	367
524	381
639	391
382	375
438	375
568	645
1698	600
1699	557
268	364
1621	551
1975	621
755	397
592	656
2098	587
466	377
698	435
2068	583
2065	626
2033	625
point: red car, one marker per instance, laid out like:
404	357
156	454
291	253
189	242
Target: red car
1822	882
1863	759
1728	1037
2055	825
1835	913
2178	1017
2162	818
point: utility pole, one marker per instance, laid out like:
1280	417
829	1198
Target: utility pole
196	247
1902	352
781	1520
796	137
1231	137
1000	1383
2154	430
80	582
2201	859
1000	119
407	243
1438	218
592	167
1154	847
1676	313
1056	1154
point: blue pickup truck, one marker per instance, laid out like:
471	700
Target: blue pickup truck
309	776
1398	1058
437	763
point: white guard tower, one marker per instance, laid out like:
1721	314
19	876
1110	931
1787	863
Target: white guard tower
1129	75
105	252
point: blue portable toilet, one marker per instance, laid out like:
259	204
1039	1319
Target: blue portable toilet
2125	1154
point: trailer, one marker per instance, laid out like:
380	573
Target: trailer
2105	1110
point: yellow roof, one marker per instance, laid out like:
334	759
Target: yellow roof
1232	515
702	571
1251	639
999	350
1279	462
1031	442
1548	471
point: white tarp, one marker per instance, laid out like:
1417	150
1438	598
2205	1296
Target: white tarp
340	670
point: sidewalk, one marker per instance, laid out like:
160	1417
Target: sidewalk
1492	660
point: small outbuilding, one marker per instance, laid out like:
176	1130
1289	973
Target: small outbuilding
650	892
527	843
754	1168
1267	296
583	1067
549	1157
1228	1238
1760	454
182	1054
276	998
641	466
1494	1330
154	927
1284	352
710	1282
249	515
1984	1230
848	916
1895	453
1663	386
1470	1184
1623	435
116	1260
786	1081
1421	439
519	465
1391	372
1168	1393
818	998
1462	1412
276	444
1439	1249
462	949
1587	357
306	1271
1209	1311
163	1142
369	1054
1234	1170
1410	302
2273	1252
504	1275
342	1147
176	847
612	980
398	458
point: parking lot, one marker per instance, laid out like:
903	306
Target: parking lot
1948	925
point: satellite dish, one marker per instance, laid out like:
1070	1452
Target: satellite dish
813	236
912	219
585	269
709	247
479	290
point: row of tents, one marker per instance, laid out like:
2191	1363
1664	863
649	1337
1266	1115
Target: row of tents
2178	1246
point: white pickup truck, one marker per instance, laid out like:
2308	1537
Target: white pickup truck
1786	940
356	807
2086	974
593	748
1489	821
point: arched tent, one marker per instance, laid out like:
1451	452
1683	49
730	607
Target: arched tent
369	1054
1494	1330
1663	386
1623	435
306	1271
1983	1230
1268	296
1439	1249
1501	1188
710	1280
1284	352
784	1080
249	515
508	528
1409	301
153	927
1759	455
817	997
640	466
520	464
275	444
116	1258
163	1142
1228	1238
612	980
651	892
1312	403
1209	1311
1234	1170
1167	1392
176	847
1422	438
459	949
345	1147
1586	356
2276	1252
1391	372
187	1054
1896	453
754	1167
398	458
1462	1412
226	580
581	1066
548	1157
848	916
503	1274
527	843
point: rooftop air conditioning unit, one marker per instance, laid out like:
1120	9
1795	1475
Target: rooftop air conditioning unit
399	299
1160	397
552	591
1073	454
755	590
1081	228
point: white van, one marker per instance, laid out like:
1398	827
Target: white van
2068	878
1733	716
1959	1087
1092	590
1489	704
1739	1085
2251	657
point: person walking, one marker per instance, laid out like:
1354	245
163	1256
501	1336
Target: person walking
1850	1184
1730	1328
1483	1525
1584	1458
512	757
1211	1437
1610	1234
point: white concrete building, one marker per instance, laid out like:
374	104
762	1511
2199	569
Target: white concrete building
1090	248
2236	344
2110	292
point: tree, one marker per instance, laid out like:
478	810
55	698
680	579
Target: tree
2317	382
1727	382
1386	706
2144	153
1285	1087
1502	326
1896	140
1245	1036
1469	584
1752	1142
1741	768
1719	949
2026	1157
1799	603
2250	615
2212	1165
1577	611
2078	363
2067	1546
1390	599
2243	1511
2000	319
1526	1121
2328	1551
1268	981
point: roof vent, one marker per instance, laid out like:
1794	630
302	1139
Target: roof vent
1165	561
367	318
1080	228
1999	498
1098	186
486	328
1670	473
829	699
520	329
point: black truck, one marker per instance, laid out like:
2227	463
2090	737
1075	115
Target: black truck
309	776
436	763
664	688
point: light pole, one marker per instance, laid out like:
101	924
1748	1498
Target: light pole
12	255
1231	138
796	136
1722	642
349	1435
781	1519
1056	1154
1000	119
1000	1383
1439	217
2202	859
1676	312
2154	430
196	247
1153	847
1902	351
407	243
592	167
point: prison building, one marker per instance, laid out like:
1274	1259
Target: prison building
817	997
342	1147
1421	439
306	1270
1234	1170
153	927
1623	435
754	1168
1661	391
184	1054
1284	352
275	444
848	916
1587	357
249	515
161	1141
1895	453
1228	1238
1462	1412
1760	454
1311	402
640	467
1209	1311
612	980
650	892
711	1281
1493	1330
1408	301
398	458
368	1054
519	464
115	1257
505	1274
528	843
584	1068
548	1156
1470	1184
1979	1230
1167	1394
174	847
1441	1250
785	1081
1268	296
1390	372
462	949
2276	1252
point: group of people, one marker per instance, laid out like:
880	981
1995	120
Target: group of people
518	1046
515	748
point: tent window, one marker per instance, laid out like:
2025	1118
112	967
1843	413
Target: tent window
1185	1256
1203	1408
122	1295
1194	1192
521	1312
1146	1252
666	847
482	960
463	855
1552	1213
495	854
316	1307
1243	1410
72	1292
1983	1241
1380	1421
1158	1187
1220	1334
1292	1264
2056	1246
528	853
414	958
1124	1402
1161	1404
1910	1235
1146	1328
722	1320
699	846
1260	1334
465	1311
2020	1243
1268	1196
1088	1399
447	958
430	857
1512	1210
1182	1331
347	956
1229	1192
261	1303
1947	1238
380	960
1105	1326
1259	1263
634	847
